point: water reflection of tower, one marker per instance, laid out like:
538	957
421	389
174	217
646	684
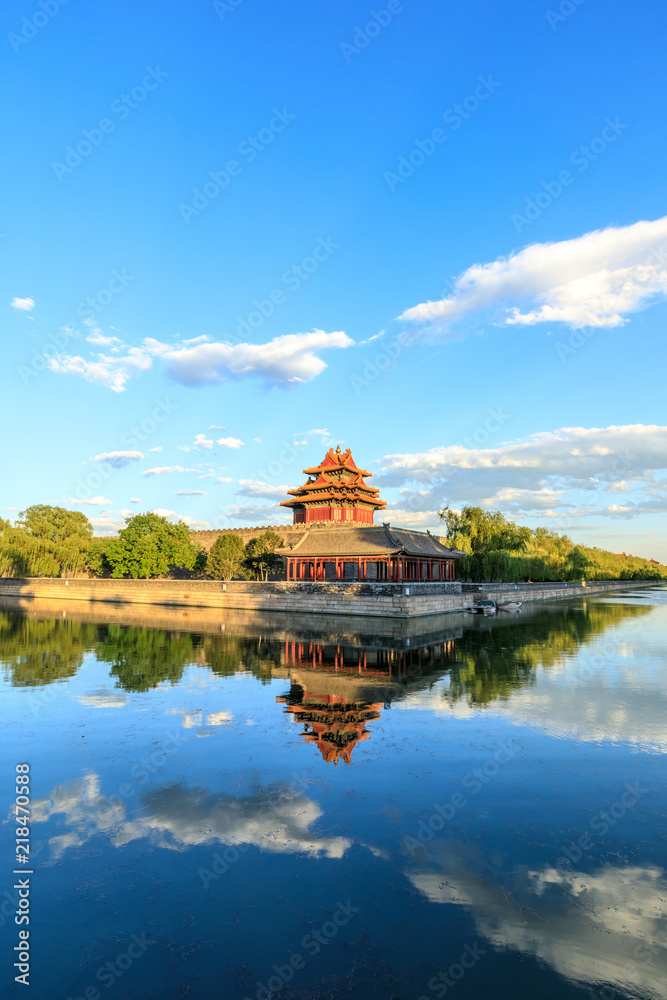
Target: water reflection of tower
336	688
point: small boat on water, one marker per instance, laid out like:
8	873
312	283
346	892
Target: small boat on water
484	608
509	606
489	607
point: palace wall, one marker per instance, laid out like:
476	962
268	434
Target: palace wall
393	600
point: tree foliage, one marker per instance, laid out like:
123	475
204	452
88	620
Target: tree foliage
226	559
261	558
45	541
97	563
149	545
478	531
498	550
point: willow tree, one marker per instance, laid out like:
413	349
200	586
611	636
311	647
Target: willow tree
46	541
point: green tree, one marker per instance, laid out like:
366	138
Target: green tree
261	557
480	531
149	545
226	558
46	541
96	557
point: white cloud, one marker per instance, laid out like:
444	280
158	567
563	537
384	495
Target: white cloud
110	371
201	443
257	488
285	360
217	427
135	500
23	305
230	442
104	698
190	493
174	817
107	524
165	470
118	459
196	719
590	926
172	516
543	474
257	440
159	448
93	502
254	515
224	479
594	280
97	337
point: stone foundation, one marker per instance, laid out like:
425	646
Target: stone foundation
386	600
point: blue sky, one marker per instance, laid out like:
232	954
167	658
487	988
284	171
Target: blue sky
433	233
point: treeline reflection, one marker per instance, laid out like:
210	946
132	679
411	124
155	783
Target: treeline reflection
493	662
486	659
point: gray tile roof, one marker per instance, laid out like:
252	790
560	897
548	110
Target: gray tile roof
380	540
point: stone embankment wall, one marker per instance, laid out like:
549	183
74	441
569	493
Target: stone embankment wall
369	599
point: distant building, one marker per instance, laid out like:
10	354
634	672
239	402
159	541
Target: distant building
352	548
335	491
333	537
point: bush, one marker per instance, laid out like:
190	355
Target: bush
149	545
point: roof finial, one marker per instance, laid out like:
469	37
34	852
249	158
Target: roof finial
338	450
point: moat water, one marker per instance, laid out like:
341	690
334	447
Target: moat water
228	806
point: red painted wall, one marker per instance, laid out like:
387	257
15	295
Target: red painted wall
339	514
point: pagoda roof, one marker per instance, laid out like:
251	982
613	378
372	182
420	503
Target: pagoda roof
337	460
326	477
370	540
